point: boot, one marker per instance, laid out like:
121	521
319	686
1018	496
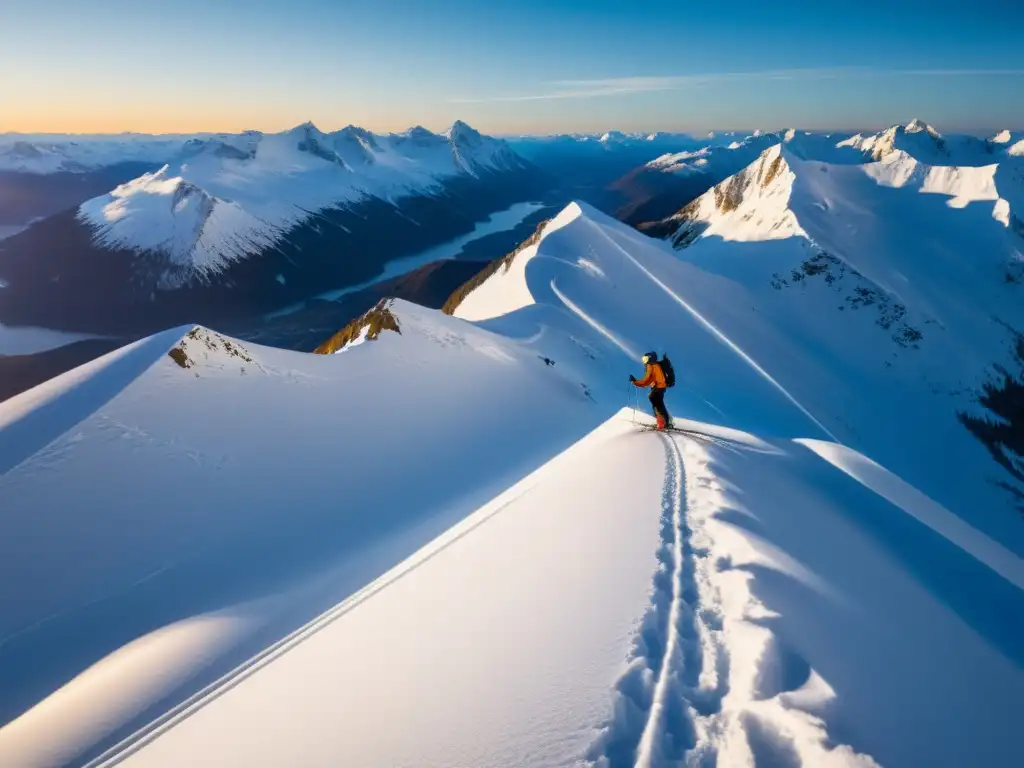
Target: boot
661	422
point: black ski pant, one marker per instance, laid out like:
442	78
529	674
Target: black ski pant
657	398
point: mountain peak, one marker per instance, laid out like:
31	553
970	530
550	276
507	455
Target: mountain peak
728	209
462	132
419	132
460	127
305	128
355	130
353	133
315	142
919	126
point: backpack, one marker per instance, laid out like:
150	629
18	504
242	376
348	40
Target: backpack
668	370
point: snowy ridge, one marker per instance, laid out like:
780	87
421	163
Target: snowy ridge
226	197
507	289
762	587
770	240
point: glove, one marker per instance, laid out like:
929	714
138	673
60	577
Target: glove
632	378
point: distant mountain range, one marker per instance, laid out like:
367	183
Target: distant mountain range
237	224
661	186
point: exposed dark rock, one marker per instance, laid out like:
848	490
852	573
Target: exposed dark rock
857	293
179	356
204	341
1003	432
378	319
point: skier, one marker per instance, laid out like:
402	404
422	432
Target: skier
658	376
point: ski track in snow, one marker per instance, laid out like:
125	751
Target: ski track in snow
667	728
661	697
694	692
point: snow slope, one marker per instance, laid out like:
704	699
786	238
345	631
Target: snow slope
451	545
226	197
839	257
216	510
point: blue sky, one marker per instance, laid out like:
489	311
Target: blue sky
507	67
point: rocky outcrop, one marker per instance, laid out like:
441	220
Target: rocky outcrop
367	327
1002	433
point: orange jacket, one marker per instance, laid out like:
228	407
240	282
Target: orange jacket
654	377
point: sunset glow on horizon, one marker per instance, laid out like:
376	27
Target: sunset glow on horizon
504	68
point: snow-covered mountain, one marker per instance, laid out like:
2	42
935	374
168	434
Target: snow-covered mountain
658	188
931	255
458	523
249	223
232	197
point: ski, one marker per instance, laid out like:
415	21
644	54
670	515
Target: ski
688	433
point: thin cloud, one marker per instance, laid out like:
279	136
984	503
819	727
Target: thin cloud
617	86
963	72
